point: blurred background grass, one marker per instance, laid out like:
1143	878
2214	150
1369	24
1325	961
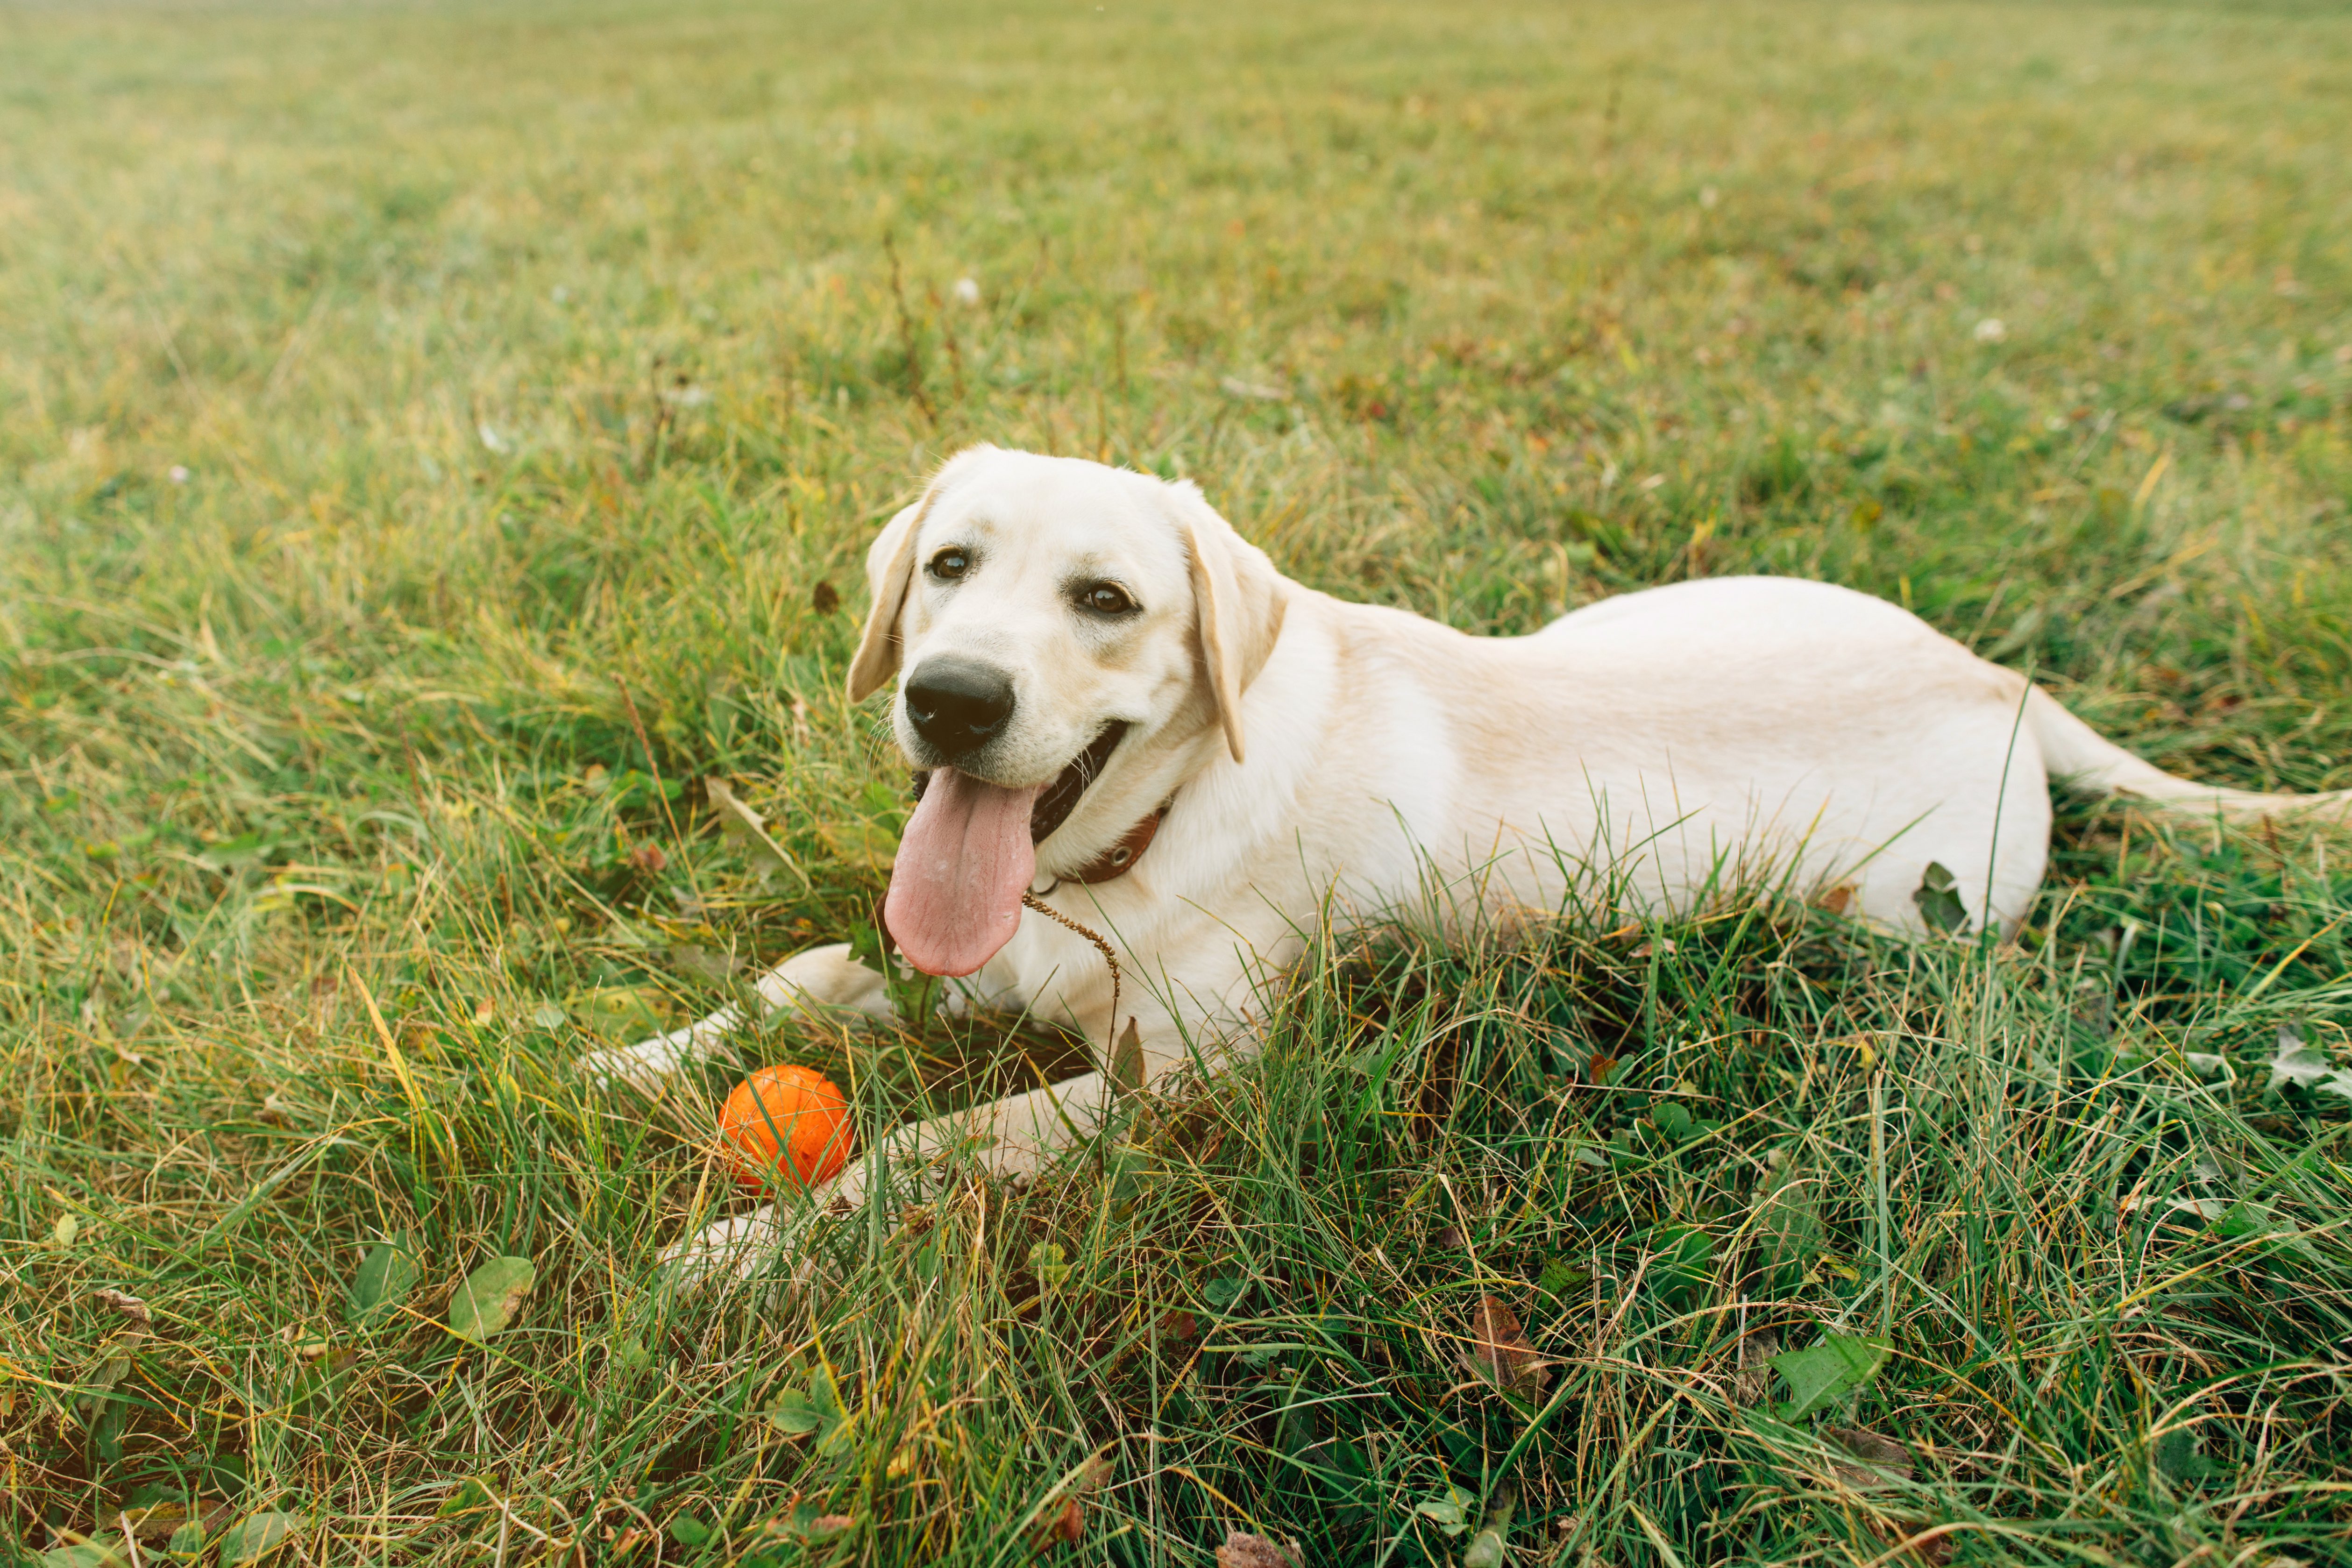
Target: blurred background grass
432	440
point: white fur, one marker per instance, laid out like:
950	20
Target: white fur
1328	759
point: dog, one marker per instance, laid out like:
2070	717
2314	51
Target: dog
1128	726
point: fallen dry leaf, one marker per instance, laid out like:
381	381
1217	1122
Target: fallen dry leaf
1065	1522
1878	1449
1499	1351
1178	1324
1925	1544
129	1305
1753	1385
1883	1460
740	822
1064	1527
1243	1550
1126	1065
158	1521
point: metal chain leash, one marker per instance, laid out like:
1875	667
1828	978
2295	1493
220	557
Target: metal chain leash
1033	902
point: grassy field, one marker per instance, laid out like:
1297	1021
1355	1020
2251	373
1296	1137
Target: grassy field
434	440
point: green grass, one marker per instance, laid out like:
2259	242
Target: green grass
539	376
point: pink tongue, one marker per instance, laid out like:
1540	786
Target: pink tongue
963	864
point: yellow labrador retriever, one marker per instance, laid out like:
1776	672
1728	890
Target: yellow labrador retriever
1122	715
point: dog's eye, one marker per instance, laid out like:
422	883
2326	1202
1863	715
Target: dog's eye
1106	599
950	564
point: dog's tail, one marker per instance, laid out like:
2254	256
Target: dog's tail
2074	751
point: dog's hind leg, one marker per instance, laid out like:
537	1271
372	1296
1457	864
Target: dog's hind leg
821	979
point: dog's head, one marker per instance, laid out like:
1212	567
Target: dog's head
1067	638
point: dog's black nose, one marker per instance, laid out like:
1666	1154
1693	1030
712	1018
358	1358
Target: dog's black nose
958	704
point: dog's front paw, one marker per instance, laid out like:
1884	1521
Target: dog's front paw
628	1066
733	1249
771	1242
649	1065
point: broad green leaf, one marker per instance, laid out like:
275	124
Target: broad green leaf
910	992
837	1432
187	1541
1559	1278
620	1010
1839	1367
82	1554
793	1414
245	849
1130	1172
2299	1064
385	1276
227	1473
1050	1262
2247	1220
2176	1456
477	1493
796	1413
104	1376
489	1300
257	1535
1787	1231
1939	898
1487	1548
1684	1265
1451	1512
866	946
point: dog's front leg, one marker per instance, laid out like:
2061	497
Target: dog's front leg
1013	1136
819	980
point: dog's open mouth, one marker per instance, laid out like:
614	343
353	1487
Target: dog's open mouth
969	852
1060	798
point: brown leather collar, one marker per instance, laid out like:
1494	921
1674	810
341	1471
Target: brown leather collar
1120	858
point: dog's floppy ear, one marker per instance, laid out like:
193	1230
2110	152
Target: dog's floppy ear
889	569
1239	599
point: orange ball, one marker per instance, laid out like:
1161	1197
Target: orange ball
786	1118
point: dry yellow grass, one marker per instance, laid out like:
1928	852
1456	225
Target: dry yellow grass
432	440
